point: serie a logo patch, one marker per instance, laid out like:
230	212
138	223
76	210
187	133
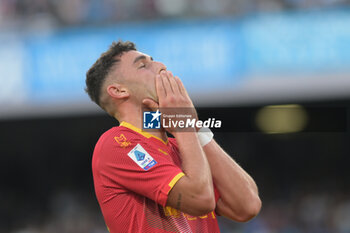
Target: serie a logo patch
141	157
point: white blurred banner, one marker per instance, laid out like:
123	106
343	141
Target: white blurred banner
271	57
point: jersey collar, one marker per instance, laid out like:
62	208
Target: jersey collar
143	133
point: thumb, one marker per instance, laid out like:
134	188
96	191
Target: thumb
151	104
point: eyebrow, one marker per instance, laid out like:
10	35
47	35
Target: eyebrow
141	57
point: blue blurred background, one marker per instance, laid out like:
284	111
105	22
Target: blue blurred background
229	53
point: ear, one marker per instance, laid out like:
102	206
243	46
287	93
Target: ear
117	91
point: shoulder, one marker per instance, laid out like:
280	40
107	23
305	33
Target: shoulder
172	141
119	137
115	145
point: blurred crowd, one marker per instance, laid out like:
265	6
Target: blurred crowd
309	212
57	13
315	212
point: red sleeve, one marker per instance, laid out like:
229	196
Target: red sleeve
216	193
217	197
140	168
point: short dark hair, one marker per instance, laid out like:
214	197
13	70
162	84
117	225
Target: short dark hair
98	72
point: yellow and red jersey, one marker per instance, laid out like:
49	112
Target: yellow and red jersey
133	173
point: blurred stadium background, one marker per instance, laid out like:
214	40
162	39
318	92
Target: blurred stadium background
232	54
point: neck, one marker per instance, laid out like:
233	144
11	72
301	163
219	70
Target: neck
133	115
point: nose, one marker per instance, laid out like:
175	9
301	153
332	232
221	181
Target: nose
159	67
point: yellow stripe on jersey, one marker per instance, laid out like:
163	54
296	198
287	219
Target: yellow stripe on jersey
164	152
175	179
143	133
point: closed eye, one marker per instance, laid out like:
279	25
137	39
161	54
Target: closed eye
142	65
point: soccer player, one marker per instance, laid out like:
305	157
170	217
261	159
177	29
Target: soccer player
145	181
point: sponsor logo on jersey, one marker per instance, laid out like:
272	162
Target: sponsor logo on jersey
170	211
141	157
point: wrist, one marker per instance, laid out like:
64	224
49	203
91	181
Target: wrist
205	135
179	133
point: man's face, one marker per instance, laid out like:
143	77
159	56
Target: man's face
139	71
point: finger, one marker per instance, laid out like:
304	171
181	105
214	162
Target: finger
181	86
160	88
166	83
173	83
151	104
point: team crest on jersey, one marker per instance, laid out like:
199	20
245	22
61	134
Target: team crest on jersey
141	157
121	140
